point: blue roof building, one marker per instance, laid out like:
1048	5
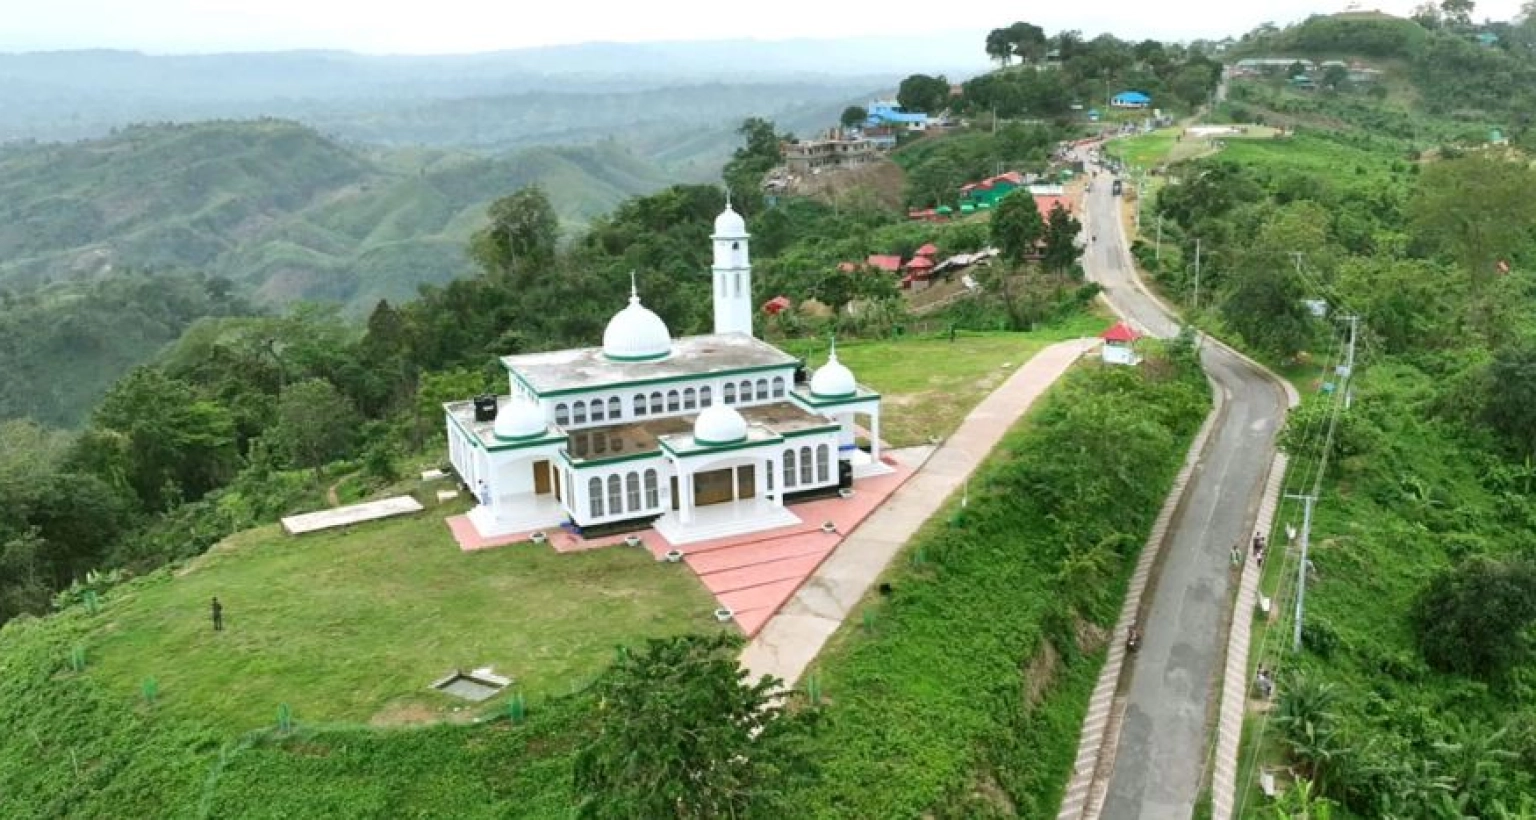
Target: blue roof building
887	112
1130	99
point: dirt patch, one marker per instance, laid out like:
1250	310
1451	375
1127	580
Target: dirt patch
1039	674
883	182
1090	636
405	714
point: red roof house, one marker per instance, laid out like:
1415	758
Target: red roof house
928	249
1117	345
1047	202
777	304
889	264
1121	333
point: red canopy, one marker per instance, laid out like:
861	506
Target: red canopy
890	264
773	306
1121	332
920	263
928	249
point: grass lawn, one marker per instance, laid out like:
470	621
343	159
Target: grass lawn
1145	150
353	626
929	384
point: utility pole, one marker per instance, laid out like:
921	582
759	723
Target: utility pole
1197	273
1349	360
1159	237
1301	569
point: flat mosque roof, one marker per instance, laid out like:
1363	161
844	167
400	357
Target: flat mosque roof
586	368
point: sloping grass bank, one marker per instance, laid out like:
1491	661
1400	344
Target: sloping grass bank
961	694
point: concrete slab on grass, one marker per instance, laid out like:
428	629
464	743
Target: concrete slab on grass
354	514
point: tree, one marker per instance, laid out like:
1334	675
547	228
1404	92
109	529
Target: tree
1297	69
758	154
680	733
1028	41
1300	802
173	438
999	45
1510	403
839	288
1479	209
920	92
520	240
1472	618
1335	76
854	116
1060	246
1458	12
315	424
1016	227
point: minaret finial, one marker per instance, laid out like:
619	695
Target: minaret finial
832	356
634	289
728	197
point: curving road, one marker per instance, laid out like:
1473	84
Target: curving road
1170	685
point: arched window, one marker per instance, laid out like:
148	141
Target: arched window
656	402
579	412
690	399
762	389
632	492
595	496
652	492
730	394
562	414
746	389
778	387
789	468
615	495
706	396
615	408
597	409
674	400
805	465
599	443
640	405
823	463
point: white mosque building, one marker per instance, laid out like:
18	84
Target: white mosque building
706	436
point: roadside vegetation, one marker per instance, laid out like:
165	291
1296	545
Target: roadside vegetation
1406	698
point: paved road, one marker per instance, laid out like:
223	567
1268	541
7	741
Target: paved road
1162	749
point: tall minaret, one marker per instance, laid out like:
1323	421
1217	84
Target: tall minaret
733	273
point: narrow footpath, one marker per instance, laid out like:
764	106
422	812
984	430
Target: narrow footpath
795	635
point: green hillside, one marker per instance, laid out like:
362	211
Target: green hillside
277	207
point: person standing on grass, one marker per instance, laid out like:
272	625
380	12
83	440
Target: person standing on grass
218	615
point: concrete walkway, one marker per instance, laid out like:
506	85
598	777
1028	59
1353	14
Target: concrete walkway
793	637
1234	687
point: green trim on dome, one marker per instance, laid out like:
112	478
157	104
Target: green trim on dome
835	396
649	357
709	442
527	437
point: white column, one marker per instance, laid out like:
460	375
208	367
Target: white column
685	486
874	433
775	467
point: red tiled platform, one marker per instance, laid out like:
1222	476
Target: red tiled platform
752	574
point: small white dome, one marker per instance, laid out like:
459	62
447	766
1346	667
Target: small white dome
719	424
520	419
636	334
833	380
729	223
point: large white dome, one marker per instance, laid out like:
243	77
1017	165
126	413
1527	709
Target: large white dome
719	424
729	223
635	334
520	419
833	380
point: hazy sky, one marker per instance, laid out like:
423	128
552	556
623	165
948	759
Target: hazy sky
442	26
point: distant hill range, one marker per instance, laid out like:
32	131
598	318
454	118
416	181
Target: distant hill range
278	208
83	94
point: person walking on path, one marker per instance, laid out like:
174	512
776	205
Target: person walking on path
218	615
